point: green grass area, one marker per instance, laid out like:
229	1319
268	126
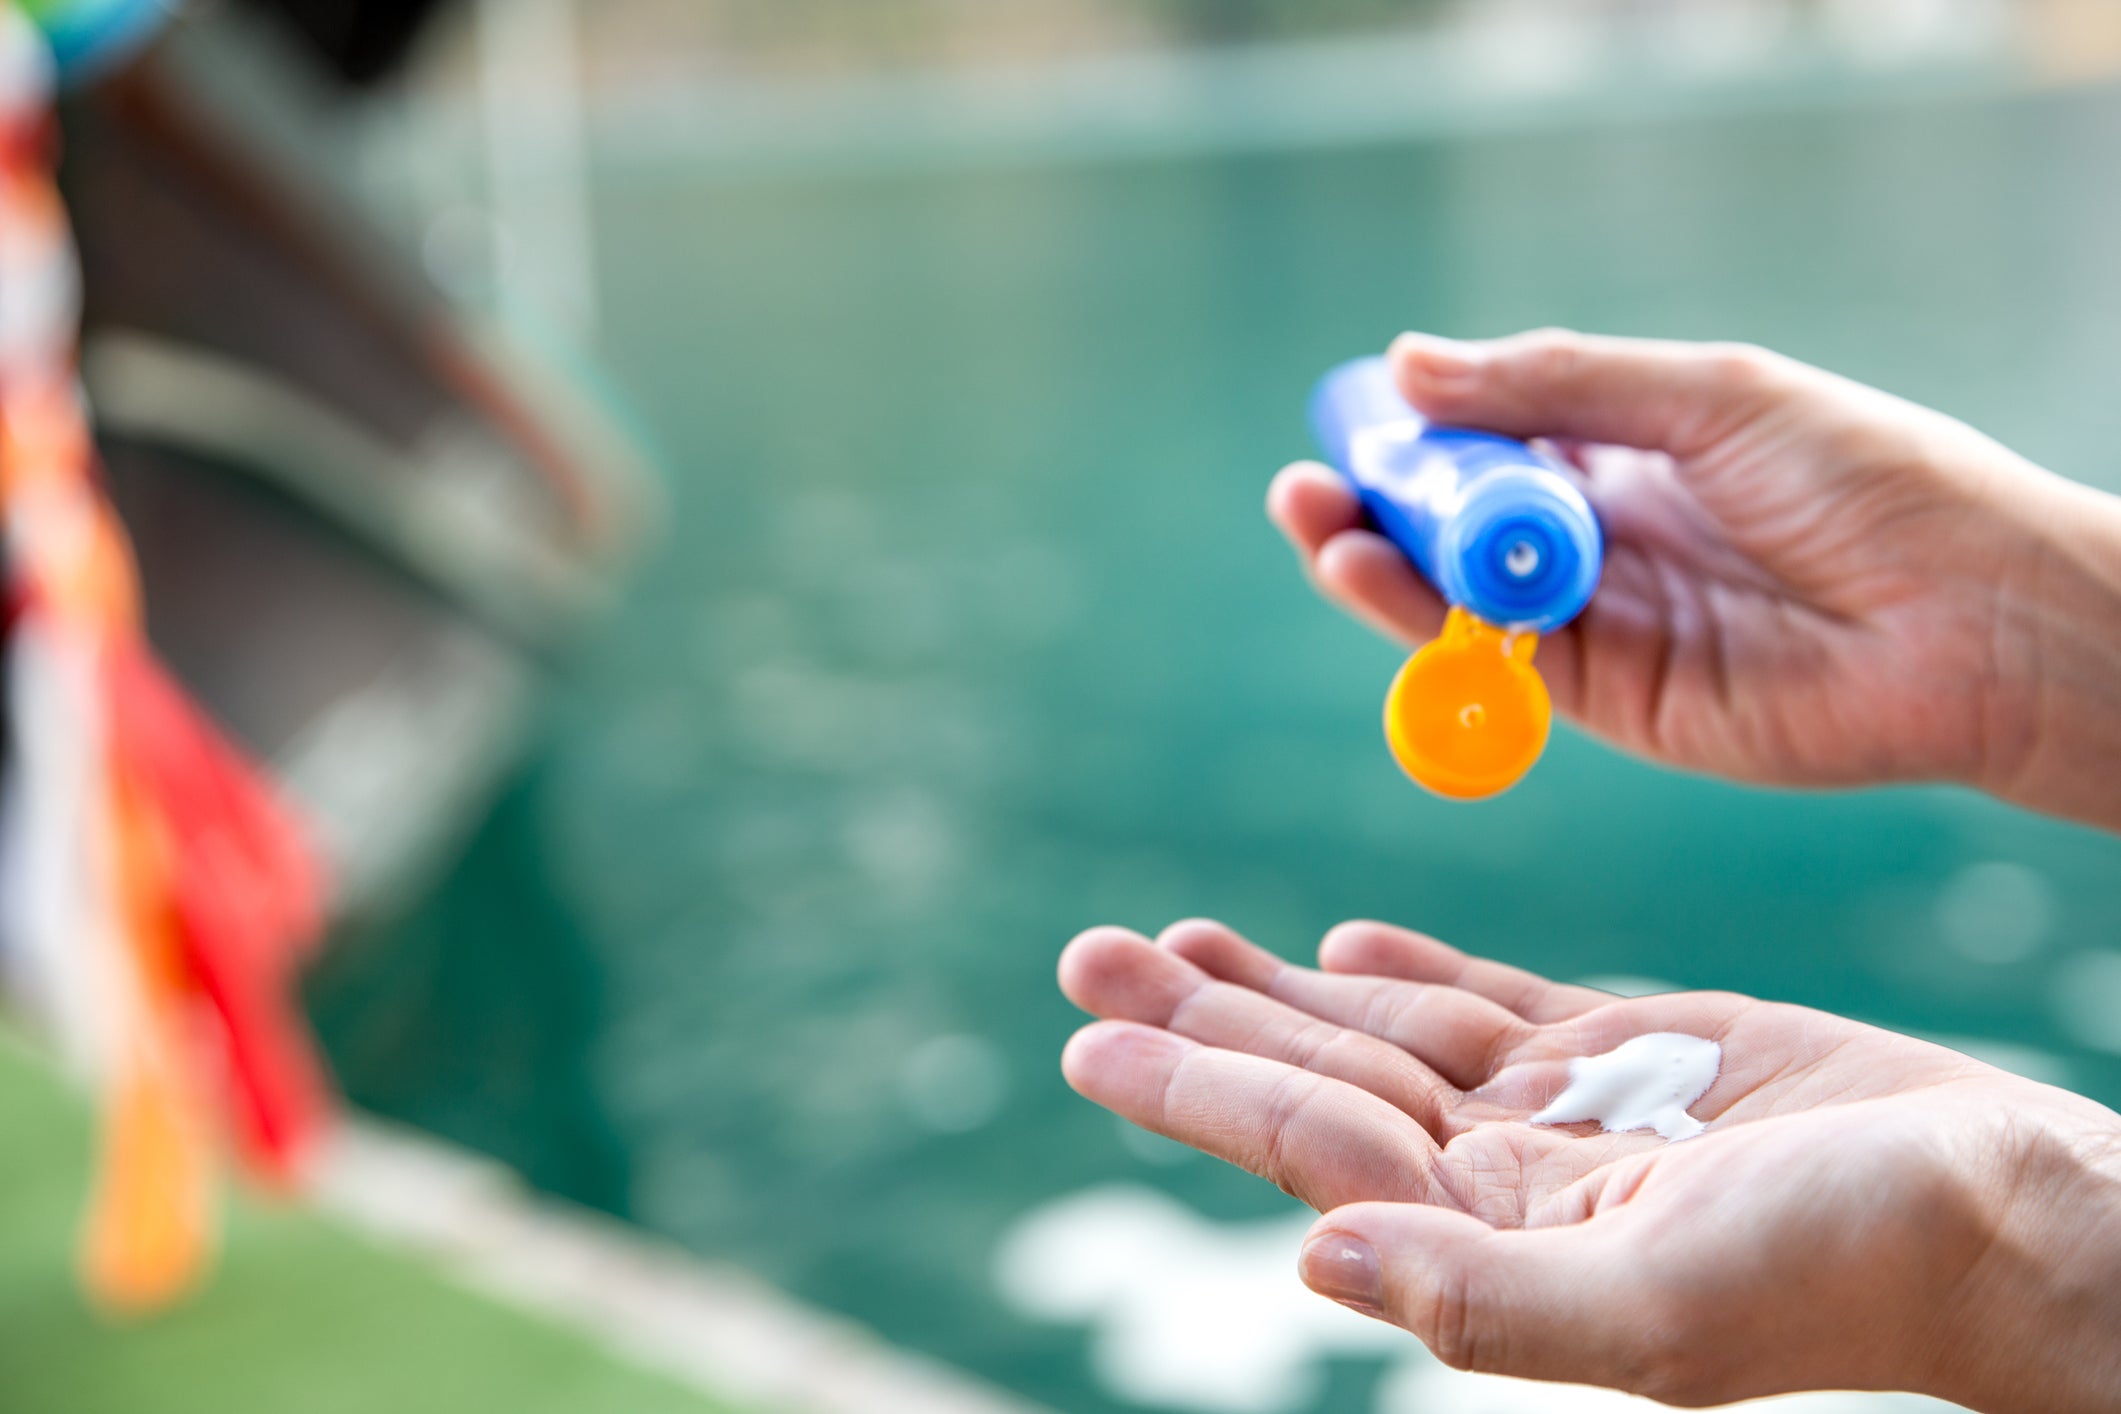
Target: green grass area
303	1318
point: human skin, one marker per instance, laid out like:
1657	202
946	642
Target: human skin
1865	1211
1808	582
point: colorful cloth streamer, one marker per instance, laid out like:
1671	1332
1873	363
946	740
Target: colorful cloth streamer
156	898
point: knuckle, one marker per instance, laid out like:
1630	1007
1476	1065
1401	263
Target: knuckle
1318	1045
1384	1012
1398	1013
1449	1324
1550	355
1882	457
1278	1118
1500	1044
1747	368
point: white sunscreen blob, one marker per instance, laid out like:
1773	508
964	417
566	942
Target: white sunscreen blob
1646	1083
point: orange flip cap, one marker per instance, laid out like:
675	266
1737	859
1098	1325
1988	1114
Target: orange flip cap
1468	715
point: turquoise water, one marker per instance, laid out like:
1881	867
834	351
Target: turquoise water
967	632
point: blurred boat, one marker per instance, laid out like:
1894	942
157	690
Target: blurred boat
367	532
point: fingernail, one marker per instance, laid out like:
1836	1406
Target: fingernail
1436	354
1343	1267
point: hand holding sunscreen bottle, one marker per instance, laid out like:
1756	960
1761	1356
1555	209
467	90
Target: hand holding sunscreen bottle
1508	540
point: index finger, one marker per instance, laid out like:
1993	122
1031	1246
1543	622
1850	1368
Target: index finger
1310	503
1322	1140
1656	394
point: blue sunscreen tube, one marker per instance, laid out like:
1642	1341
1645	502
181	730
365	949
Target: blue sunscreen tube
1497	527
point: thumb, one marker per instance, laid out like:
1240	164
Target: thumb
1555	1303
1654	394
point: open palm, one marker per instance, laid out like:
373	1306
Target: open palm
1807	581
1826	1232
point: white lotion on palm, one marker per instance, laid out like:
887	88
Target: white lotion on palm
1646	1083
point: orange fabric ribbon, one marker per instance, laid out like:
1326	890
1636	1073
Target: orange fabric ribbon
161	897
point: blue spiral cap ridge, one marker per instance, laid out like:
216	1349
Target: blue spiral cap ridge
1526	548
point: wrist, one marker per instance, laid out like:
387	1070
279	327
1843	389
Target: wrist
2057	747
2037	1321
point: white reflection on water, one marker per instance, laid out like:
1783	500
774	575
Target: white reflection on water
905	841
1184	1312
1193	1314
1996	912
952	1084
2086	997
